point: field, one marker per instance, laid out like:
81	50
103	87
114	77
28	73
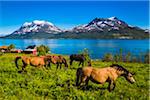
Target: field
41	84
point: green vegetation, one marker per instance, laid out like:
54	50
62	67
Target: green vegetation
40	84
119	57
42	50
11	46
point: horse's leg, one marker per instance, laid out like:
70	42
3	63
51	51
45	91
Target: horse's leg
23	67
114	85
111	86
83	79
60	65
71	61
57	65
49	64
80	63
86	82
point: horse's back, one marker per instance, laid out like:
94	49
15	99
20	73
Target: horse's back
103	74
87	71
25	59
36	61
77	57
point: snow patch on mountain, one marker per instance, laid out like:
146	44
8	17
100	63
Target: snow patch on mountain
38	26
101	24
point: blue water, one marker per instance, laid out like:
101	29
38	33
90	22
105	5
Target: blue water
97	48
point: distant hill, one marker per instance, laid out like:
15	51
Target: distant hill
98	28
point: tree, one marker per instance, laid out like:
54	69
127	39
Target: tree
42	50
11	46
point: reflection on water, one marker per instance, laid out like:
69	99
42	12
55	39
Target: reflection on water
97	48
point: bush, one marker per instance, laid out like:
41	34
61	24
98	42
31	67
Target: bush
11	46
146	57
120	55
42	50
128	57
116	58
108	57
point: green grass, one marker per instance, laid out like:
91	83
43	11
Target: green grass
50	84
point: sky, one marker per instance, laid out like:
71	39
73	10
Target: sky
67	14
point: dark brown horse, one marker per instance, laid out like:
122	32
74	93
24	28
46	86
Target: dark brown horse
102	75
58	60
42	61
77	57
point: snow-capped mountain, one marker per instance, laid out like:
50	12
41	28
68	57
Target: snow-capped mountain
101	24
37	26
98	28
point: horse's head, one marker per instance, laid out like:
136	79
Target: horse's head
129	77
124	72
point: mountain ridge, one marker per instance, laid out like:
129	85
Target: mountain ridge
98	28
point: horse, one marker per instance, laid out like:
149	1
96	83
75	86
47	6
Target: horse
102	75
58	60
77	57
36	61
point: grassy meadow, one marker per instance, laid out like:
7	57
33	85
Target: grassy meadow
41	84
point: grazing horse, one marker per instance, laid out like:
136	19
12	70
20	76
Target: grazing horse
102	75
77	57
58	60
33	61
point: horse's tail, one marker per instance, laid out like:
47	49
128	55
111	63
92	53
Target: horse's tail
78	76
16	61
65	62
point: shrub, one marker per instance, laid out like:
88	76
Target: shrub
128	57
42	50
11	46
116	58
146	57
120	55
108	57
134	59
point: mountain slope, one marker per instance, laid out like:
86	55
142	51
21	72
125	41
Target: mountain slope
108	28
98	28
35	29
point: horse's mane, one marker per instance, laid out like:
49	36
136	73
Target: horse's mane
119	68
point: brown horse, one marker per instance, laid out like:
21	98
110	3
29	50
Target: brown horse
102	75
33	61
77	57
58	60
